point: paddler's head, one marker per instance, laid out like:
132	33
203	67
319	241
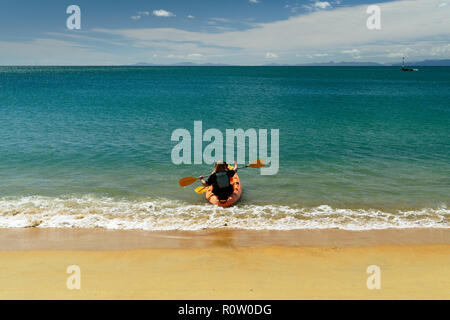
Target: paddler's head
220	166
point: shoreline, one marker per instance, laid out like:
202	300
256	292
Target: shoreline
113	240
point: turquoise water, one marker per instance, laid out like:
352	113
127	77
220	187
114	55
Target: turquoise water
360	147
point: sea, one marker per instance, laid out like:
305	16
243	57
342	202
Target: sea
360	148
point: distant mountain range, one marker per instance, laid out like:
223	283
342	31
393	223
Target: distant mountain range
180	64
345	64
427	63
424	63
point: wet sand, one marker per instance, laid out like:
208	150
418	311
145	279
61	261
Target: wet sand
224	264
102	239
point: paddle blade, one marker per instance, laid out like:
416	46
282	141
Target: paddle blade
200	190
187	181
257	164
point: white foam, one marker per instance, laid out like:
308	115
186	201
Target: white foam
163	214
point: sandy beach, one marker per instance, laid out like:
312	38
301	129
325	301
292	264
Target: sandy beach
322	129
224	264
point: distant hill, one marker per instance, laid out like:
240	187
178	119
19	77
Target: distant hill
427	63
343	64
424	63
144	64
180	64
190	64
275	65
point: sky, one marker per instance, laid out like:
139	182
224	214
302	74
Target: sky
241	32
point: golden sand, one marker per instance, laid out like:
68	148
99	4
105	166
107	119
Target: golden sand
221	271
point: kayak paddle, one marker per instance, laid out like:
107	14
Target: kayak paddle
200	190
187	181
184	182
255	164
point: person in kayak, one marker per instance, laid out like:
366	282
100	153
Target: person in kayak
220	180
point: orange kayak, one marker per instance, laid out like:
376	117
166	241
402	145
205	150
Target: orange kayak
232	199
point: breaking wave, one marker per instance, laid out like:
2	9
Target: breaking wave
163	214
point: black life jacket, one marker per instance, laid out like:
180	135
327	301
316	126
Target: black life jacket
222	179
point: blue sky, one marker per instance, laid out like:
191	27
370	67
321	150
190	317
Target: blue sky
247	32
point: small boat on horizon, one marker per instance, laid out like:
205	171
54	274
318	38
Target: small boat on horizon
407	69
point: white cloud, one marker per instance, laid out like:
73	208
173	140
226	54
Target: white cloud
339	32
219	19
441	5
440	50
43	51
140	14
271	55
190	56
355	53
195	56
352	51
224	28
191	16
305	6
163	13
322	4
253	1
313	55
395	54
336	30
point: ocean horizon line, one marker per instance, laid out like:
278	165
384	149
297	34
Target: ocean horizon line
422	63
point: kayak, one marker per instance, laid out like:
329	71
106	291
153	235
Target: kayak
232	199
